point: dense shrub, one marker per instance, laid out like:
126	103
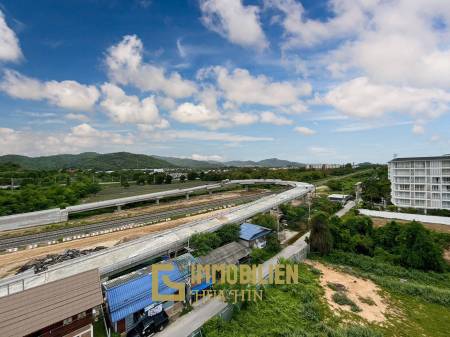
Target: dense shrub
410	245
320	239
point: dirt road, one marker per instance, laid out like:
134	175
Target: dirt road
364	293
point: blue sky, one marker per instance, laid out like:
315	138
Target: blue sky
310	81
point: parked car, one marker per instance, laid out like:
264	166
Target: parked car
148	326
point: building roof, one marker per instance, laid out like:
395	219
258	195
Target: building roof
338	196
184	262
445	156
134	293
250	231
230	253
36	308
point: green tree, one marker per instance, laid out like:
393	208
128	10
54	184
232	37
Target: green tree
192	175
203	243
182	178
159	178
335	185
228	233
168	179
141	179
266	220
320	239
417	249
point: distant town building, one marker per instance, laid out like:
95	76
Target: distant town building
341	198
420	182
323	166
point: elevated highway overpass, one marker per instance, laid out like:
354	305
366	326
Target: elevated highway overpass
126	255
55	215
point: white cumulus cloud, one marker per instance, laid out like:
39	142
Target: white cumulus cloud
211	157
362	98
64	94
272	118
238	23
304	130
125	65
9	43
195	114
243	88
123	108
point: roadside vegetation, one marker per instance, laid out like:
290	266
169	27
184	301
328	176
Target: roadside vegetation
287	310
27	190
405	260
203	243
41	190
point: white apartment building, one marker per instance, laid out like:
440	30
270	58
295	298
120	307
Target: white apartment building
420	182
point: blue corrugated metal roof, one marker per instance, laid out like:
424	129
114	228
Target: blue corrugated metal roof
250	231
136	294
201	286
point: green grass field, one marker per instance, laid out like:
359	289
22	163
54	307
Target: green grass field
292	310
117	191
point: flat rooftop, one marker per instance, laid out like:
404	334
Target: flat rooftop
445	156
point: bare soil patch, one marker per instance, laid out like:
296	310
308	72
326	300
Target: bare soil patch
378	222
363	293
447	255
10	262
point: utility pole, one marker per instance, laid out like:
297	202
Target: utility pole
309	209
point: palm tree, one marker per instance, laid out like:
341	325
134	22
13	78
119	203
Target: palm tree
320	239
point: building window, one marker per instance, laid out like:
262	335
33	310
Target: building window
67	321
81	315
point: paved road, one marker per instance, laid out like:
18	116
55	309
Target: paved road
192	321
348	206
324	181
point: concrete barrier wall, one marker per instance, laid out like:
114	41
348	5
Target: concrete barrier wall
25	220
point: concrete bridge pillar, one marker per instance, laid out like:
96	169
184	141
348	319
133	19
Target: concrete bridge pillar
187	196
210	192
119	208
157	201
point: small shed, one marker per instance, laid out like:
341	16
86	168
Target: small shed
231	253
341	198
253	236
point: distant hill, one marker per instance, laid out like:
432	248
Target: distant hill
126	160
191	163
87	160
272	162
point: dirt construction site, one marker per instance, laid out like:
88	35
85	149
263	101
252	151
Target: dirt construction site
10	263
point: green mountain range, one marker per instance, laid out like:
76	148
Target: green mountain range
126	160
87	160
